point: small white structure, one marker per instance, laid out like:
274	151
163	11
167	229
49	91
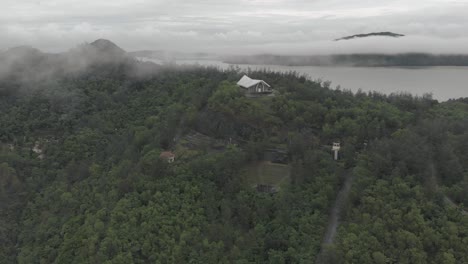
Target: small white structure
38	150
253	86
167	156
336	148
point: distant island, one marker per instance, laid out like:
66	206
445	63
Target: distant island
355	60
374	34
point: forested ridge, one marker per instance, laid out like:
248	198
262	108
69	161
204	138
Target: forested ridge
82	181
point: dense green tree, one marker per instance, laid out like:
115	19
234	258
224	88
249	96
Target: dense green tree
81	179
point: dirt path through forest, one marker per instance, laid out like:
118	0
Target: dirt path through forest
335	214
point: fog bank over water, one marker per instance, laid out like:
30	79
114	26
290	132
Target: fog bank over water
381	45
369	45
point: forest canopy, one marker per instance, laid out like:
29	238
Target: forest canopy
253	181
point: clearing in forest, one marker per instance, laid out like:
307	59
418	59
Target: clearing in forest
268	173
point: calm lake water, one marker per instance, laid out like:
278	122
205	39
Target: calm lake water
442	82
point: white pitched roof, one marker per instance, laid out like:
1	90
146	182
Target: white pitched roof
246	82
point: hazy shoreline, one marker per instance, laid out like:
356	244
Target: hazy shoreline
442	82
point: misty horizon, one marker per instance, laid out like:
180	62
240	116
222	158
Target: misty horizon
238	27
370	45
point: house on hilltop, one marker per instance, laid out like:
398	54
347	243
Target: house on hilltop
254	87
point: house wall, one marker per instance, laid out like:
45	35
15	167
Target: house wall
258	88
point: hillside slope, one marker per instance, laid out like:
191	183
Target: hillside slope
81	178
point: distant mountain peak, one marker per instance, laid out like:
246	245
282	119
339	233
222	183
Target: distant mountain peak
373	34
106	45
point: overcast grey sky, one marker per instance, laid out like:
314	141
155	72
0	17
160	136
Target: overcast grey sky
234	26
